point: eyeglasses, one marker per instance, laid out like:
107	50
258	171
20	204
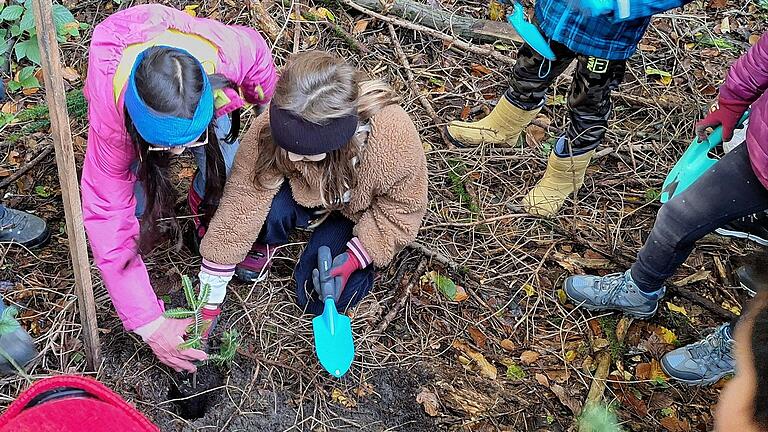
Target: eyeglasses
203	140
294	157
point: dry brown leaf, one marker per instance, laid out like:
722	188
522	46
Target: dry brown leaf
718	4
507	345
464	113
484	366
646	47
9	108
14	157
30	91
478	337
674	424
655	345
630	400
753	39
534	135
479	70
566	399
529	357
594	325
643	371
429	401
360	26
70	74
558	375
542	379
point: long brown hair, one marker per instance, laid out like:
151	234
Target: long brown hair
317	87
170	82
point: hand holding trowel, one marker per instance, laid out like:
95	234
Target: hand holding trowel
333	331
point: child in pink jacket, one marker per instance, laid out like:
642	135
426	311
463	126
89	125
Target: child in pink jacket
160	82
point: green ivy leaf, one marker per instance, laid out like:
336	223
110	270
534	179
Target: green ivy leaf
13	86
42	191
15	30
12	13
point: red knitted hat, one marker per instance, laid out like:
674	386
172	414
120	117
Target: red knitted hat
102	411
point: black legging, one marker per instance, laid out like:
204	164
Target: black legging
728	191
589	98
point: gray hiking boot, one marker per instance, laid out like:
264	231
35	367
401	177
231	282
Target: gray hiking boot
704	362
615	291
23	228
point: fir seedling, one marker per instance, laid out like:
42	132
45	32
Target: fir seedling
195	303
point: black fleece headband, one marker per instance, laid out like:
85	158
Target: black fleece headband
305	138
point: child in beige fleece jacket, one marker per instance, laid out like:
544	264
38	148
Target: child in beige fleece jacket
333	147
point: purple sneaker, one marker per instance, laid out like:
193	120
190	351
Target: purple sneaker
256	264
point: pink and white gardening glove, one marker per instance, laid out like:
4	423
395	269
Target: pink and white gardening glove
355	258
217	277
164	335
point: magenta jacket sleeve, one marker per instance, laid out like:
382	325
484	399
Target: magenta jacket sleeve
748	77
108	211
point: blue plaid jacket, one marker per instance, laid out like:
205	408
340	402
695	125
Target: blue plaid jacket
603	36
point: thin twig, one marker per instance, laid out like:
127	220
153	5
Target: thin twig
434	33
31	164
415	87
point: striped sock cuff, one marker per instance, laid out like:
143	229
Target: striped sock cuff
356	247
214	269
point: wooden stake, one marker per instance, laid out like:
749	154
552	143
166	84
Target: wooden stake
70	191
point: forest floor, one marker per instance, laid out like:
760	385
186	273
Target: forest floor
514	355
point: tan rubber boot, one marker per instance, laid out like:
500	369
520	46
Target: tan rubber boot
563	174
501	127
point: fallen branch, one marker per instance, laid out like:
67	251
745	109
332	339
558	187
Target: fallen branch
466	27
402	298
344	35
434	33
702	301
264	21
475	223
415	88
603	358
21	171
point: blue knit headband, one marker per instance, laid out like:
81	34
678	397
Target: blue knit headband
163	130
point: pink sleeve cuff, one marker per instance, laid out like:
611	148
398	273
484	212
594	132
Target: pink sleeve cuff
214	269
356	248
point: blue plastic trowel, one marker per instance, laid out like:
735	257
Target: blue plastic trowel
533	37
529	32
333	331
693	163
